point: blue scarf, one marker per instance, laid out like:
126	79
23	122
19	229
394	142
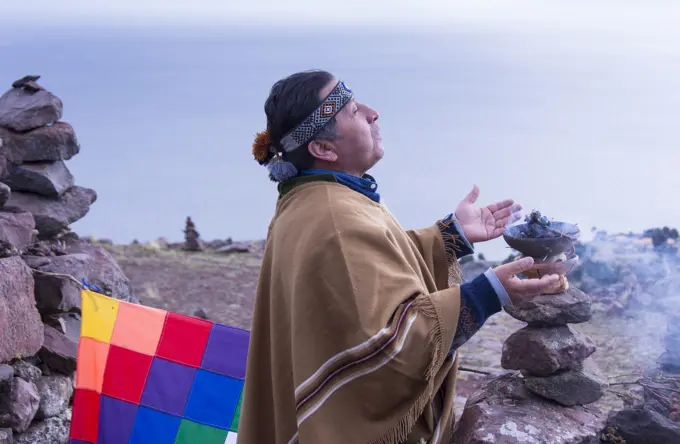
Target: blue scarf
365	185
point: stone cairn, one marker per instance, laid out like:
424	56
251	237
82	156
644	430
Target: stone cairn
544	402
41	266
192	240
554	359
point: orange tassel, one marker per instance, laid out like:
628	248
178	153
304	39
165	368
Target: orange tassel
262	146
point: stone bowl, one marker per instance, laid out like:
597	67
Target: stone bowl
562	267
539	248
559	267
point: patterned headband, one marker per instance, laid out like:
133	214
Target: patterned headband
330	106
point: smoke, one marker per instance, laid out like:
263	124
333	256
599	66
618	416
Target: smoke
634	282
516	216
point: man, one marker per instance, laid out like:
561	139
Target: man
357	321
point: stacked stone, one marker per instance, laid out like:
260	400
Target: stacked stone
41	265
669	361
35	146
192	239
554	359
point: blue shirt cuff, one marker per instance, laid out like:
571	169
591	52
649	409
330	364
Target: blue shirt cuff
502	294
468	248
462	246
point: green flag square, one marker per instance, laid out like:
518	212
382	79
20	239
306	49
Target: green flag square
193	433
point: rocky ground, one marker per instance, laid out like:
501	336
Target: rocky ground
621	329
219	286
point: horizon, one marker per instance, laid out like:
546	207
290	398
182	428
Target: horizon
587	93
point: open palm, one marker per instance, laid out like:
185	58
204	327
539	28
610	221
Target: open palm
481	224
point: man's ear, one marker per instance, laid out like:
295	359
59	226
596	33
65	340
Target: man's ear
322	150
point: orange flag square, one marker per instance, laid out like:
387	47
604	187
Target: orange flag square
92	357
138	328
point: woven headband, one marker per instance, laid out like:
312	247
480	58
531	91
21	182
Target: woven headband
309	127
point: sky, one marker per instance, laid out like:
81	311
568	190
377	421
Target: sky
629	15
592	89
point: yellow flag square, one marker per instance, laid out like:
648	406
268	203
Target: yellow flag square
99	314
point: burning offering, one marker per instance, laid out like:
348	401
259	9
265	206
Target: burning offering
549	243
539	226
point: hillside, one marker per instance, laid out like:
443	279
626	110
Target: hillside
627	327
222	285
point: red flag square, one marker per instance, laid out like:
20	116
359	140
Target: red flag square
125	374
85	416
183	339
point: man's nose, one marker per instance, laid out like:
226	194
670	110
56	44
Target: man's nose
372	114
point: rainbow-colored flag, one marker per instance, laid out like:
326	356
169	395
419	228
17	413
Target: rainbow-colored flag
149	376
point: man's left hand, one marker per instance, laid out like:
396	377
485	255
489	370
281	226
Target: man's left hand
486	223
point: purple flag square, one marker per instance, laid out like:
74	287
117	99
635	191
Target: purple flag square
116	419
227	351
167	386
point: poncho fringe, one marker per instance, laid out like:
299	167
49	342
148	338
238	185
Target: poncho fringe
401	431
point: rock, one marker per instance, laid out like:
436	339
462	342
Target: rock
55	394
543	351
51	431
22	110
66	323
18	408
233	248
672	344
26	371
3	161
571	387
49	179
27	80
53	215
503	411
6	377
7	250
669	362
104	272
21	333
192	239
603	272
6	436
673	326
643	425
36	262
17	229
59	293
5	193
48	143
59	352
200	313
571	307
46	248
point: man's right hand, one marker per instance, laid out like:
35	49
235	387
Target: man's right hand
523	290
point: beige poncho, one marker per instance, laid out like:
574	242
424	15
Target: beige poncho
353	320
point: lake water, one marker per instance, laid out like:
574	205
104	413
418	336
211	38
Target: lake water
584	127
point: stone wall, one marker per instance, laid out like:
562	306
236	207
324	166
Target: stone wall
41	266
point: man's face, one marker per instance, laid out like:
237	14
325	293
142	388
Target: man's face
358	146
